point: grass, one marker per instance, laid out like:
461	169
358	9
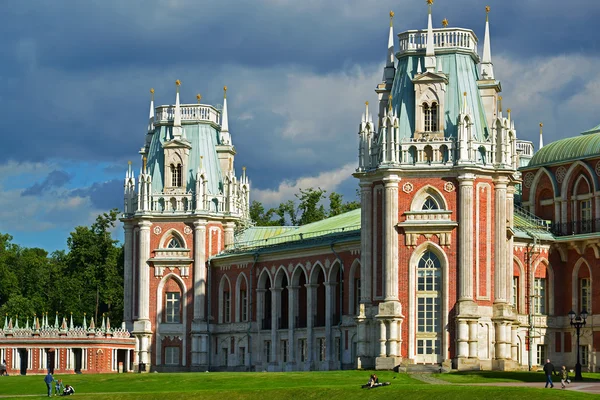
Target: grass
465	377
291	385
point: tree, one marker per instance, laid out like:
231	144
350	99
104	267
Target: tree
337	205
311	210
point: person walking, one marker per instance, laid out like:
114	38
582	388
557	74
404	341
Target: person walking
49	380
549	370
564	377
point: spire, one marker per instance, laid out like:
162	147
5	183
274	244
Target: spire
419	67
225	137
56	320
71	322
151	117
84	322
390	56
177	116
487	68
541	136
430	63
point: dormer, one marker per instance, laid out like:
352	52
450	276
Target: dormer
430	95
176	154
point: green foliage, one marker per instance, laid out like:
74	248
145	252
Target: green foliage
88	278
310	208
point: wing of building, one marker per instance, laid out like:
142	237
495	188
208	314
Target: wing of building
468	250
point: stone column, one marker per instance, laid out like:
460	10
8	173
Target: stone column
128	276
382	338
500	240
393	339
310	297
292	307
462	339
144	277
473	339
228	228
465	239
514	343
500	341
329	291
510	206
275	305
260	301
390	238
199	270
366	235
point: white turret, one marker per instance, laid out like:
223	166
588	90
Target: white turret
225	136
430	62
487	68
541	136
177	117
151	117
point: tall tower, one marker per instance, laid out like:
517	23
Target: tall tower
183	210
437	181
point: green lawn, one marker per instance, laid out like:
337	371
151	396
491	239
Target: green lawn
292	385
493	376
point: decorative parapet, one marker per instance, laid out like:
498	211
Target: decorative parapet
54	331
443	38
189	113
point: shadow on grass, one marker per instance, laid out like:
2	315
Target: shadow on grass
508	376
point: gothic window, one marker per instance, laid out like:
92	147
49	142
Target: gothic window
171	355
430	113
244	305
515	299
173	307
429	277
539	295
176	175
585	208
430	204
226	307
585	294
174	244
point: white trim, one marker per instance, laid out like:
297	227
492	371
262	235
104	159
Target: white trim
158	321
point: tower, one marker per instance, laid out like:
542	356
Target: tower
183	210
437	178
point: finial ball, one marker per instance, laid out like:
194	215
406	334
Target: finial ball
541	125
391	14
465	94
445	22
487	9
225	88
430	2
178	82
198	97
366	103
152	90
244	168
508	110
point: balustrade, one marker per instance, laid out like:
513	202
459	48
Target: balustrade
189	112
442	38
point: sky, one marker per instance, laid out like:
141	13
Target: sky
75	79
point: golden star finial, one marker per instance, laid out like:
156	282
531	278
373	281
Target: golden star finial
391	18
430	2
198	98
178	82
541	125
152	90
129	162
465	94
366	103
445	22
487	9
224	91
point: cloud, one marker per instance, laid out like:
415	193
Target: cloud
55	179
103	195
327	180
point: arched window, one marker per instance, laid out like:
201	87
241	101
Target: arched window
429	283
173	307
174	244
176	175
430	204
430	113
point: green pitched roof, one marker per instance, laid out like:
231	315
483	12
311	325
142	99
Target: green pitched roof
569	149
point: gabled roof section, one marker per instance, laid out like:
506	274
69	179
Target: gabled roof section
570	149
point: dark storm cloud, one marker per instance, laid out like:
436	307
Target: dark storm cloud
103	195
54	180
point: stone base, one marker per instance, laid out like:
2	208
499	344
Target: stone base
387	363
504	365
468	364
467	309
364	362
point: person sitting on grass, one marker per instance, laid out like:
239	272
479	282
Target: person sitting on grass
59	388
373	380
68	390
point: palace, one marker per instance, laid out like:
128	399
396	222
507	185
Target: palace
468	250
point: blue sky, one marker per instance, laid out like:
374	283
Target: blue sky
75	80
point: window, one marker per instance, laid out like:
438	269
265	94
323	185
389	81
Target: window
226	307
428	307
585	294
357	295
225	356
267	350
515	299
428	273
430	115
430	204
302	348
586	215
171	355
541	354
176	175
173	308
284	350
244	305
322	349
539	296
242	355
583	353
174	244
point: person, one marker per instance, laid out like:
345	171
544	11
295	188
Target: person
564	377
373	380
548	370
3	368
59	388
49	380
68	390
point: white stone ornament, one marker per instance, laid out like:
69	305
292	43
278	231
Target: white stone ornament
157	230
449	187
598	168
407	187
187	230
560	174
528	180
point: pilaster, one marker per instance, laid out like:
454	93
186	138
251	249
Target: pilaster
390	238
465	240
366	235
199	270
128	276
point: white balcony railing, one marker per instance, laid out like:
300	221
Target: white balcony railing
442	38
189	112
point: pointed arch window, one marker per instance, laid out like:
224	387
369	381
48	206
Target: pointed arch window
430	204
174	244
429	277
430	113
176	175
173	307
